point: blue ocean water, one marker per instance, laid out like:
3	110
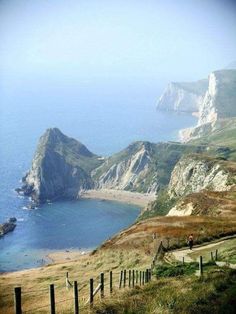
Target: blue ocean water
105	120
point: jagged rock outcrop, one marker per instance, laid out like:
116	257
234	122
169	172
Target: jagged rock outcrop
128	170
7	227
142	167
60	169
219	103
183	97
194	173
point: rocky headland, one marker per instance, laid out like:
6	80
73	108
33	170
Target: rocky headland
7	226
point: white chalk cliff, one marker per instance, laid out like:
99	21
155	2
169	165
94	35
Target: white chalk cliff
183	97
219	102
194	173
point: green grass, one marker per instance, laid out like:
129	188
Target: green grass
160	207
213	293
175	270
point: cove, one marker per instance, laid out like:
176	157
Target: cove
82	224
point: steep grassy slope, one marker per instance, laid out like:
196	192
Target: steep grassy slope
221	139
183	293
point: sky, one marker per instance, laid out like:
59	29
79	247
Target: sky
148	43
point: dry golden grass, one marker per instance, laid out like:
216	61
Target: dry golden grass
173	230
35	282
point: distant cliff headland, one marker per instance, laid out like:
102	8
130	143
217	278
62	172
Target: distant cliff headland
209	99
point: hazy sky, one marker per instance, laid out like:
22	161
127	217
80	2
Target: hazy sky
163	40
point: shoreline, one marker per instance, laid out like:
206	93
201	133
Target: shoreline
68	255
127	197
54	258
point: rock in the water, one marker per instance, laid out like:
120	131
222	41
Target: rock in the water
12	219
6	227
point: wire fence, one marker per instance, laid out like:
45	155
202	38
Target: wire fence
108	281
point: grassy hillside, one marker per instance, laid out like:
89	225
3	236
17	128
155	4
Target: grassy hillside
183	293
221	140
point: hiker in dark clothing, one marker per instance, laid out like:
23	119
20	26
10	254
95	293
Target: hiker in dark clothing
190	241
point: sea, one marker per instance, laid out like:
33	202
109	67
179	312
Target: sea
103	117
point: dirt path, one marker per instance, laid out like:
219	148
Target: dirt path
203	250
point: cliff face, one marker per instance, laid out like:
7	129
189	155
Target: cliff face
141	167
194	173
127	170
60	169
183	97
220	99
219	103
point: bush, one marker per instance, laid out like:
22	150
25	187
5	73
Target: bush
175	270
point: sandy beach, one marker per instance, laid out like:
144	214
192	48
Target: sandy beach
128	197
66	256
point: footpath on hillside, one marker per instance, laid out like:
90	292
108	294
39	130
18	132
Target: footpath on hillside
205	250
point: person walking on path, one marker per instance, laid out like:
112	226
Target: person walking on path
190	241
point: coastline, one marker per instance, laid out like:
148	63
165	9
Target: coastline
54	257
128	197
63	256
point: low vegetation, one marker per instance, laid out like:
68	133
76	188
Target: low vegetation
160	207
178	293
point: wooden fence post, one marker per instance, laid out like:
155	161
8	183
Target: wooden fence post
150	274
200	266
124	277
136	276
216	256
76	297
183	260
17	300
110	281
146	276
129	278
212	258
102	285
121	279
140	277
68	283
133	278
52	299
143	277
91	292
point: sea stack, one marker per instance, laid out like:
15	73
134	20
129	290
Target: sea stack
60	169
